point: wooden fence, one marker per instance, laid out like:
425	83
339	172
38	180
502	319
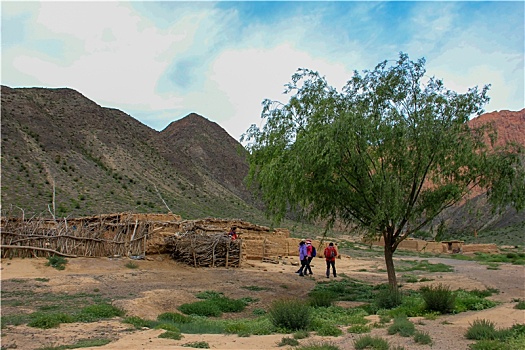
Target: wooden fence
96	236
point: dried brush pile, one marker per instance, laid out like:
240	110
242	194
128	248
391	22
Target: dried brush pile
205	250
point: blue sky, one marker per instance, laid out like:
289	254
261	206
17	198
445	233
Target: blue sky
159	61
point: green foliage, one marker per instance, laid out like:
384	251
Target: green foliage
131	265
171	335
214	304
466	301
96	312
288	341
424	265
481	329
369	342
58	262
173	317
323	153
259	311
201	308
318	346
389	298
302	334
290	314
82	343
321	298
438	298
358	329
422	338
198	345
403	326
51	320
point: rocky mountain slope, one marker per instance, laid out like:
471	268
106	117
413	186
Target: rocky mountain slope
101	160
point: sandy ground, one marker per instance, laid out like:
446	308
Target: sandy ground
160	284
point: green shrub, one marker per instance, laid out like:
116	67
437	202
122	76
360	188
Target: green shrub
403	326
288	341
173	317
317	346
171	335
358	329
259	312
438	298
290	314
58	262
471	301
481	329
301	334
201	308
198	345
422	338
328	329
322	298
229	305
131	265
52	320
369	342
96	312
82	343
389	298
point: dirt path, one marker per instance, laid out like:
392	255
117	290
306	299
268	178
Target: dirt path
160	285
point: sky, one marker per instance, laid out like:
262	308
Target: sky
159	61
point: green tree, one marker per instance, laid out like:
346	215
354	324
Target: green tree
390	151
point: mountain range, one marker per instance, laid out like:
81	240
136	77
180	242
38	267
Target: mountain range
65	155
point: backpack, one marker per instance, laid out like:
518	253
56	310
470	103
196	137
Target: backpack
331	252
314	252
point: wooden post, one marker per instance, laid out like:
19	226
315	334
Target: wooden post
227	253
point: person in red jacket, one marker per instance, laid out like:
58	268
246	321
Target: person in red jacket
330	253
233	233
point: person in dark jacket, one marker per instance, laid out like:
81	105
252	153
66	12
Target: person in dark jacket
330	253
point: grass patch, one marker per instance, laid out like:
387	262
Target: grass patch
58	262
290	314
438	298
359	329
131	265
520	305
214	304
288	341
403	326
197	345
422	338
318	346
423	265
82	343
369	342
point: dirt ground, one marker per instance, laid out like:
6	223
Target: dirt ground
160	284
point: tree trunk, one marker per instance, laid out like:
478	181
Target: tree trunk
389	254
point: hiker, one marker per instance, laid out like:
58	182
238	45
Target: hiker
303	257
233	233
309	256
330	253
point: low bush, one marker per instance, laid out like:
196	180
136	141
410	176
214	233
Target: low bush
171	335
403	326
52	320
422	338
201	308
358	329
369	342
481	329
389	298
438	298
197	345
317	346
288	341
290	314
58	262
322	298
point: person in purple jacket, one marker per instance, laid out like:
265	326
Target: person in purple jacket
303	257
